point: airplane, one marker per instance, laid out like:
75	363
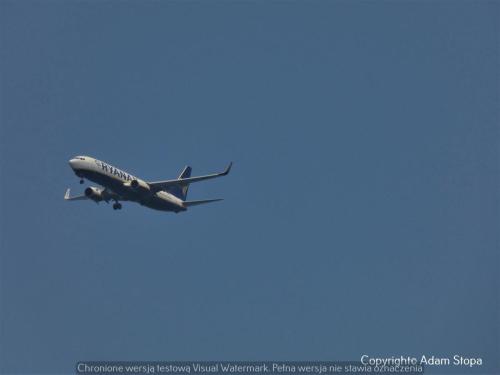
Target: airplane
167	195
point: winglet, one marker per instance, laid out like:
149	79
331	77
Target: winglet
67	197
227	169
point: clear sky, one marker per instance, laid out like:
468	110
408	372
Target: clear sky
361	214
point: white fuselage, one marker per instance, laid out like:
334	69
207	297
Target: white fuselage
121	184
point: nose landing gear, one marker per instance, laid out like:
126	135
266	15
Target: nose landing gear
81	181
117	206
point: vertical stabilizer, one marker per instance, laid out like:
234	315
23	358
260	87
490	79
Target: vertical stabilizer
180	191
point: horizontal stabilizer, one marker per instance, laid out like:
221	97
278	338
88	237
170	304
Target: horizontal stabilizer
196	203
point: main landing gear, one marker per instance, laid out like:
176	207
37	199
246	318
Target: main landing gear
117	206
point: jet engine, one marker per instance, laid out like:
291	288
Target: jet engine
94	193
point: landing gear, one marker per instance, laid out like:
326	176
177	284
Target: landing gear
81	181
117	206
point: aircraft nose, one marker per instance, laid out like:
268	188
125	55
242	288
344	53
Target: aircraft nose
72	163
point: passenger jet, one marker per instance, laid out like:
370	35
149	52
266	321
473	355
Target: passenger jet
167	195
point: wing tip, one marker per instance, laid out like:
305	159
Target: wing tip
228	169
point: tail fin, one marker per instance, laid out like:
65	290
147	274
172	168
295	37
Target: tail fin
186	173
180	191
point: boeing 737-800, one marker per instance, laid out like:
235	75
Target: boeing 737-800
167	195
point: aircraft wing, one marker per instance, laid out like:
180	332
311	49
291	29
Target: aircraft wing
75	198
161	185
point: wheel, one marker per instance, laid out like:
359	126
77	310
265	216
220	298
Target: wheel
81	181
117	206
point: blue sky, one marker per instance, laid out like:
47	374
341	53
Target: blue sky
361	215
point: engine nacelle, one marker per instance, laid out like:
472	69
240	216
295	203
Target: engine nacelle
138	185
94	193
